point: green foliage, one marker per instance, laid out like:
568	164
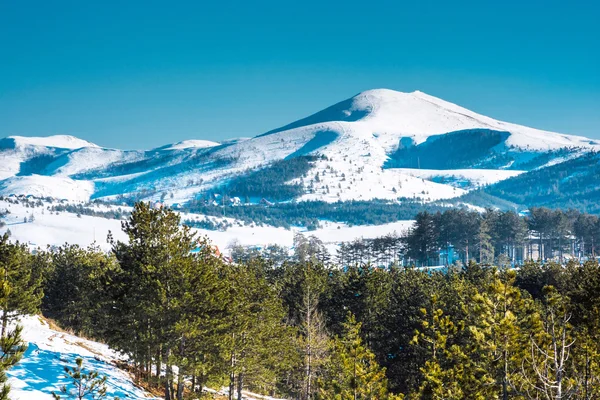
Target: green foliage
75	278
352	373
12	349
20	282
84	384
441	372
263	323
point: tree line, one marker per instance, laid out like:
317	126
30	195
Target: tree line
501	236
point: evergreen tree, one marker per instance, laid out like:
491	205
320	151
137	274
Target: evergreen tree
497	334
484	243
255	344
20	283
352	372
83	384
12	349
198	307
443	371
422	239
509	231
313	338
156	264
75	287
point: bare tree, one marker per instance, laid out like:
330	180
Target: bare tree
548	371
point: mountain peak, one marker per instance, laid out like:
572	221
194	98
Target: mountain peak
58	141
190	144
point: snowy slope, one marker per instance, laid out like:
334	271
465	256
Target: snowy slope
48	186
41	370
472	177
355	138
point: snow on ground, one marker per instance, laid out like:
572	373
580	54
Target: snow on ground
51	229
476	177
56	230
48	186
89	159
352	178
41	370
329	234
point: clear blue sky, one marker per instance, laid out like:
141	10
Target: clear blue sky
141	74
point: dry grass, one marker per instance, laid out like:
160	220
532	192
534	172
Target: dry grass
56	327
52	324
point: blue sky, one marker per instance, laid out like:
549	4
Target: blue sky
134	74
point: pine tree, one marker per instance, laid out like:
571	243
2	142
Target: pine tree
497	334
199	305
254	344
154	264
74	293
588	364
352	373
422	239
484	243
12	349
443	371
83	384
313	340
20	284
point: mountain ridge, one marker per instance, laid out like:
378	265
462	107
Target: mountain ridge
363	148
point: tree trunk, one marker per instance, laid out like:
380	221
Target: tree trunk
168	376
240	385
158	366
232	377
181	375
180	382
4	321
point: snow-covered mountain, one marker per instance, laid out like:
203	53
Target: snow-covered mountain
379	144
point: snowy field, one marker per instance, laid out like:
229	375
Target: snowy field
48	228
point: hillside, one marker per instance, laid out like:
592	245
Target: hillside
41	371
